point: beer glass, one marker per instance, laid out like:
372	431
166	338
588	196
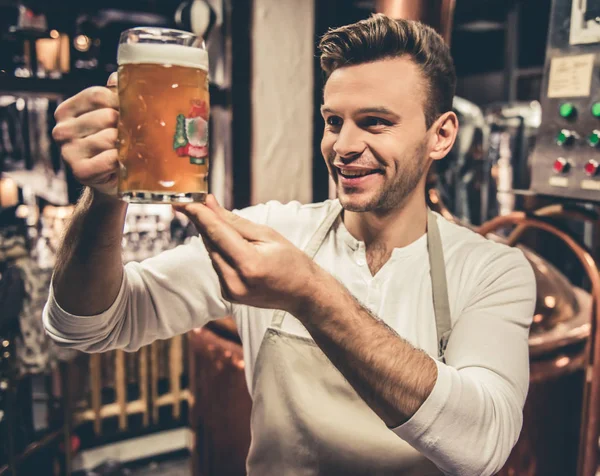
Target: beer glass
164	108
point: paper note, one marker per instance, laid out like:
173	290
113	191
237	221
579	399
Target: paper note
571	76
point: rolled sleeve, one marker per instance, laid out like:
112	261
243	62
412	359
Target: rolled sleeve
161	297
82	332
470	422
427	414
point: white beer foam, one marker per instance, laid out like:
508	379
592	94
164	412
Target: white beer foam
152	53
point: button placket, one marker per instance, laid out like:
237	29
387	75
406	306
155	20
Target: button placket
360	258
373	298
360	255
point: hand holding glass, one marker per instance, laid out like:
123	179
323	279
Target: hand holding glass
164	111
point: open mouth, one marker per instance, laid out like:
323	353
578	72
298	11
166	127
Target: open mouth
350	174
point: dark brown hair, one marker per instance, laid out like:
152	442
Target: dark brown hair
380	37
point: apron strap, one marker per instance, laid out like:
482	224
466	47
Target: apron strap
439	286
437	267
311	249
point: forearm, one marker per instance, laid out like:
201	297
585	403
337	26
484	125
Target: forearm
89	266
392	376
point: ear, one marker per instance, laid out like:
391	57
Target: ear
443	135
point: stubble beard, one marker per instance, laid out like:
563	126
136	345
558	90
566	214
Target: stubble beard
393	196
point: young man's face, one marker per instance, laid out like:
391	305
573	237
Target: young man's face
375	142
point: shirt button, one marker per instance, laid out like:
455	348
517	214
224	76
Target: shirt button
360	262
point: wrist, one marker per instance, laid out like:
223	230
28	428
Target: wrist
97	198
314	297
98	211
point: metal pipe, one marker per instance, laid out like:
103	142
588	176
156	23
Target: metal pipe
154	377
121	388
556	210
436	13
175	367
68	411
30	450
96	391
143	384
511	52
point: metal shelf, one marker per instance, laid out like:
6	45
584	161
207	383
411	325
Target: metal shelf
68	86
55	88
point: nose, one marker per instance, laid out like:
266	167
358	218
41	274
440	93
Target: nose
348	143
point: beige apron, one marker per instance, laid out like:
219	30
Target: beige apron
308	420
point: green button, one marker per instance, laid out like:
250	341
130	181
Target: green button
596	109
561	138
567	109
594	139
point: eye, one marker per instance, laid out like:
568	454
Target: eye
374	122
333	121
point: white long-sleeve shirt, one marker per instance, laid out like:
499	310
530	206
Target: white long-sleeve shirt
471	420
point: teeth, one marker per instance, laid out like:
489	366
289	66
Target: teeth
355	173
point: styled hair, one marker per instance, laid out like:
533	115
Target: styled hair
380	37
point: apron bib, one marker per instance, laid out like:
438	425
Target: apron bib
308	420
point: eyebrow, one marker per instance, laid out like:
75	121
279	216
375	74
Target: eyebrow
366	110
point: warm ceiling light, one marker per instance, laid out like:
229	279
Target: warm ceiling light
82	43
562	362
550	301
54	34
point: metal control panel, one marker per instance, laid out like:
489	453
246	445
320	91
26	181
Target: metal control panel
566	158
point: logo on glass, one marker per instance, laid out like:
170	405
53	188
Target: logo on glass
191	133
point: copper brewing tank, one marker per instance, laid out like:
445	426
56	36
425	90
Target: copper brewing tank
435	13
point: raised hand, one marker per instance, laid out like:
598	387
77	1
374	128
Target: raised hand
86	131
255	264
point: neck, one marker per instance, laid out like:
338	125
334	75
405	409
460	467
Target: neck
393	228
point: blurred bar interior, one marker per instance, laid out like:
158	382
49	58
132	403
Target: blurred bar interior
181	406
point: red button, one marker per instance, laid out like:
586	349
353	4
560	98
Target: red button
591	168
561	166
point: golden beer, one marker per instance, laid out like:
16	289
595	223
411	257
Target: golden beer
164	112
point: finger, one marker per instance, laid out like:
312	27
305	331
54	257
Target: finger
223	269
222	236
113	80
249	230
90	99
86	124
232	285
98	168
207	244
91	146
106	179
212	203
108	184
212	248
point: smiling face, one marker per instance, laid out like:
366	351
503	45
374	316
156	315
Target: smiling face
375	142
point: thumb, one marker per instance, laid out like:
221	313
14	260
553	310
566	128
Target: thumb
249	230
112	80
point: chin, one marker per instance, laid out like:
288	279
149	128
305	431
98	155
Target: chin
358	202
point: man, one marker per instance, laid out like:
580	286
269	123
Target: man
378	338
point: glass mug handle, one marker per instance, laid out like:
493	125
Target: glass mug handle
113	85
